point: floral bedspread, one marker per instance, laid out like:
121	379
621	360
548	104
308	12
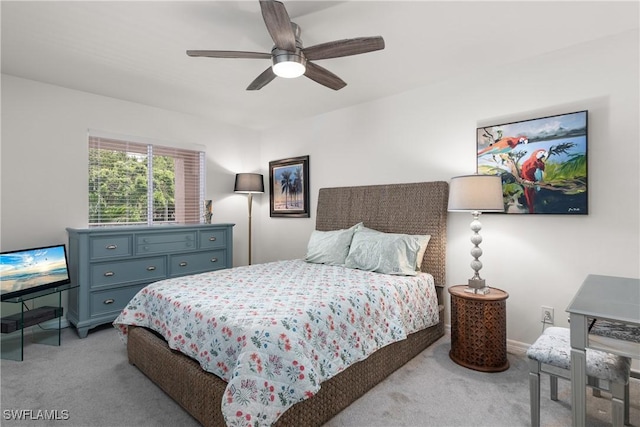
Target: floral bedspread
275	331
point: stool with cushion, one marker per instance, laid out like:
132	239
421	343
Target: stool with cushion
551	354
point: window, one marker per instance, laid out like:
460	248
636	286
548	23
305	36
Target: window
137	183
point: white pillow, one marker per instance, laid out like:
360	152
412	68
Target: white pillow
423	241
329	247
387	253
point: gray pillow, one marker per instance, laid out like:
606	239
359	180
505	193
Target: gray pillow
387	253
329	247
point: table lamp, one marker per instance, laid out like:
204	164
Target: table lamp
249	183
476	194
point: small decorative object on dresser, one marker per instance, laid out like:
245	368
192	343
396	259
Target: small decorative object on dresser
479	329
208	211
109	265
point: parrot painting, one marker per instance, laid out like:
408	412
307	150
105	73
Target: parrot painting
531	171
504	145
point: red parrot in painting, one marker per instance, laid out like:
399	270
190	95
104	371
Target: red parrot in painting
504	145
531	171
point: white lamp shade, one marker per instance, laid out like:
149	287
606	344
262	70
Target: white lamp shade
249	183
481	193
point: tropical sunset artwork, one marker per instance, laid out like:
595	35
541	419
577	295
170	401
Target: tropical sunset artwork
542	163
289	187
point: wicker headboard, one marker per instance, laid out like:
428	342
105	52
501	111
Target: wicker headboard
418	208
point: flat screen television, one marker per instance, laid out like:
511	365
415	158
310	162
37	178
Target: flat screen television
31	270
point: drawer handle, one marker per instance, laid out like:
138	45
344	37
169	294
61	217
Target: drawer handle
214	259
188	237
111	247
109	274
151	268
212	239
188	244
109	301
183	264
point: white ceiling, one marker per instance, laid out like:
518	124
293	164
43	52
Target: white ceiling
136	50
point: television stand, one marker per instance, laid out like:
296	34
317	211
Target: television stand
13	326
29	318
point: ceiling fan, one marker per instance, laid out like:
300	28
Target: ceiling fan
289	57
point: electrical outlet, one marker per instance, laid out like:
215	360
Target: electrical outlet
546	315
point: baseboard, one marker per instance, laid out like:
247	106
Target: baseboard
517	347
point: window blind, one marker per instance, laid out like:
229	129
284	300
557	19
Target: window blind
136	183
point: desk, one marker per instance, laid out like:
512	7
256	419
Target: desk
601	297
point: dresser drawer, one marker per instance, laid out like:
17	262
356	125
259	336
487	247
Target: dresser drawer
137	270
211	239
179	265
109	247
112	300
166	242
155	238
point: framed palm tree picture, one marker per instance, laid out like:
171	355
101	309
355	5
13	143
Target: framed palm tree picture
289	187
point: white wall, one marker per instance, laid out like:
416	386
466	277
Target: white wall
429	134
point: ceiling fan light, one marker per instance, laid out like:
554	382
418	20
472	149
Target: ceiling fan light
289	69
289	65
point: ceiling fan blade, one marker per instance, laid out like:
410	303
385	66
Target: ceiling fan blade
278	24
344	47
262	80
323	76
228	54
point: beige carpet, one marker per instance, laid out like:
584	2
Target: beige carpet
89	383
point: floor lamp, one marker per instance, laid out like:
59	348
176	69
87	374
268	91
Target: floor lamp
476	194
249	183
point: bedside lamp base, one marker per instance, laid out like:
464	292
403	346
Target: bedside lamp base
477	286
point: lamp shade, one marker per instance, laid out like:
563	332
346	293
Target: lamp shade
481	193
249	183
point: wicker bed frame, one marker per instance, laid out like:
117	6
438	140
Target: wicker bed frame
419	208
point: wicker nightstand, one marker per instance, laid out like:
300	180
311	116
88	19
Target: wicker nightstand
479	329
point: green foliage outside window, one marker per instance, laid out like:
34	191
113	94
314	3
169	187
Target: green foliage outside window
118	187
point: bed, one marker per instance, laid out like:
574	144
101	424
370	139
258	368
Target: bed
414	209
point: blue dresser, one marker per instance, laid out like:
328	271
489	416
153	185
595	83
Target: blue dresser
110	265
